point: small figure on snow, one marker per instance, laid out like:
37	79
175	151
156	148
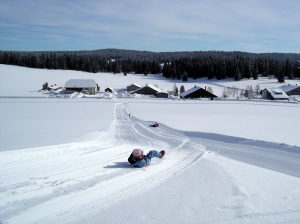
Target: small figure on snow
138	159
155	125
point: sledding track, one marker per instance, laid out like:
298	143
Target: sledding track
69	182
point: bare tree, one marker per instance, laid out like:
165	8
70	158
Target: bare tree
257	89
209	89
175	90
225	92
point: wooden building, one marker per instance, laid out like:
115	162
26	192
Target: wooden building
274	94
162	95
197	92
147	90
291	89
133	87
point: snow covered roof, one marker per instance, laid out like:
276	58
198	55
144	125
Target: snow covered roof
111	89
147	85
134	84
153	87
195	88
54	87
277	93
81	83
287	88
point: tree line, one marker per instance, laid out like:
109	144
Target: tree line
219	65
86	63
161	57
239	67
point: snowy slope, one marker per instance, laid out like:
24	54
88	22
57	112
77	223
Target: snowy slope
65	160
79	182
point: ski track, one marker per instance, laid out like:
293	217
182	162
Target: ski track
69	183
65	183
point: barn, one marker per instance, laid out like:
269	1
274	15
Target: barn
133	87
291	89
147	90
197	92
274	94
88	86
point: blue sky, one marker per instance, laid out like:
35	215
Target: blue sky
152	25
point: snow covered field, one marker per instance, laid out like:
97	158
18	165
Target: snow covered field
64	160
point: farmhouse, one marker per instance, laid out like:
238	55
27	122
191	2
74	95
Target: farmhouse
274	94
88	86
133	87
147	90
197	92
291	89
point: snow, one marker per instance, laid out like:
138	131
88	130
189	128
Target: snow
63	157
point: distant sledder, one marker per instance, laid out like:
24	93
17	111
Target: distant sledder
138	159
155	125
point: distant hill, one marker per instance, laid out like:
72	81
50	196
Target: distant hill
121	54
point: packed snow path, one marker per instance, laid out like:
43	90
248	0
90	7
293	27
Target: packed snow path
69	182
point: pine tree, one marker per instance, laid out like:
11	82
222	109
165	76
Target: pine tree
255	72
178	72
184	76
248	70
280	77
173	69
182	89
223	70
167	70
210	72
237	74
289	69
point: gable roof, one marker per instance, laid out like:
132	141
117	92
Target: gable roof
134	84
146	87
153	87
195	88
81	83
198	89
287	88
277	93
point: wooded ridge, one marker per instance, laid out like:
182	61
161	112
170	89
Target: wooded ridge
176	65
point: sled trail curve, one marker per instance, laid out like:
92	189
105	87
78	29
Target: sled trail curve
69	182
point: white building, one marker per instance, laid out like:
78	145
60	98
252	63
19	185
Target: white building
88	86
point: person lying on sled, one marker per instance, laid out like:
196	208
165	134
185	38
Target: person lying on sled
138	159
154	125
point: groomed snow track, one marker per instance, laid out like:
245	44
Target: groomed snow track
69	182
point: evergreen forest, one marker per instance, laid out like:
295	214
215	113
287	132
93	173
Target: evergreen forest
173	65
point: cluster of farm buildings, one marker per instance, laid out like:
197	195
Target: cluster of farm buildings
90	87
